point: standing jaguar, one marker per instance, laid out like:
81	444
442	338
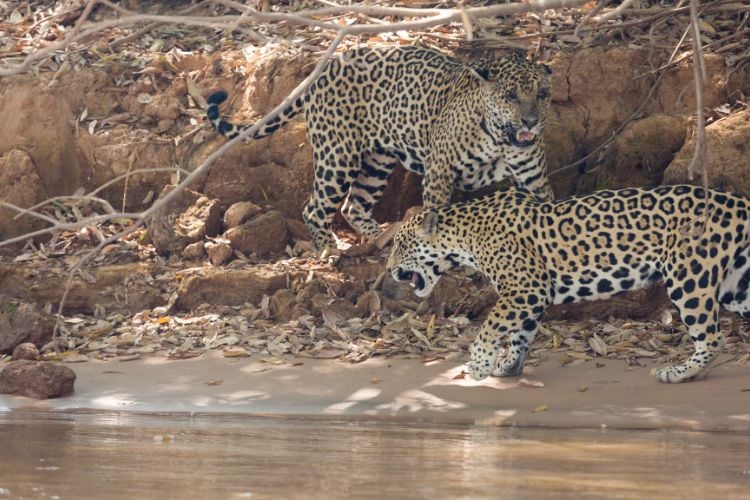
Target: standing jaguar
459	125
539	253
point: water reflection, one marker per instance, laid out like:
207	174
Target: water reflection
125	456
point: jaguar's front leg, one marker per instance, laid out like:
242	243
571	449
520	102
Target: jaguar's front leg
437	184
505	319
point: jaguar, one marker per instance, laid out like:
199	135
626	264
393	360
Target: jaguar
537	253
459	125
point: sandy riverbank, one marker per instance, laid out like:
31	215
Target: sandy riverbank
585	396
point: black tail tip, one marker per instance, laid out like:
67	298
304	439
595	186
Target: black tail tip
217	97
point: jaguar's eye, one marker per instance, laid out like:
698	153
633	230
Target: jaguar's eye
543	93
512	95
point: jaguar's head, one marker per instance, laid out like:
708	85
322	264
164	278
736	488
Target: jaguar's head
518	96
419	255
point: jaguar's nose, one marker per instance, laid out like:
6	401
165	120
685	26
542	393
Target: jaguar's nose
530	121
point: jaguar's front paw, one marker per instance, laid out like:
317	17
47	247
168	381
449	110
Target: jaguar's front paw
511	366
483	355
479	369
676	373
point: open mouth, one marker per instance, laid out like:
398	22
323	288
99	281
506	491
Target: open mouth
415	279
521	138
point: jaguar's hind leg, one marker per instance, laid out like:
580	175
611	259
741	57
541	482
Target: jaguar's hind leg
696	298
334	173
734	293
365	192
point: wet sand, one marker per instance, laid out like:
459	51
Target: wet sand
585	396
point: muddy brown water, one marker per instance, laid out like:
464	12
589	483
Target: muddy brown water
48	455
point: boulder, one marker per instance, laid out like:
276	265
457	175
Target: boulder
218	252
39	380
240	212
194	251
186	219
263	235
21	322
27	350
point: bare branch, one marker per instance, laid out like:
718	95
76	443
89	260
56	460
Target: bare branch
699	74
617	11
431	17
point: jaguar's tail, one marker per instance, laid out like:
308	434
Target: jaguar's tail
230	130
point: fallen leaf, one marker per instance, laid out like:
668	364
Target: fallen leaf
460	376
235	352
598	345
184	355
214	382
539	409
531	383
665	317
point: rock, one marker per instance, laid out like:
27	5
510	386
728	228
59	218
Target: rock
188	218
26	350
21	322
164	126
298	230
194	251
262	235
728	145
284	306
39	380
218	252
230	287
239	212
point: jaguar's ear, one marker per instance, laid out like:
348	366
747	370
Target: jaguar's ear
430	223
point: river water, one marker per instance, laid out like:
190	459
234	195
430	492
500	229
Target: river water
74	456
